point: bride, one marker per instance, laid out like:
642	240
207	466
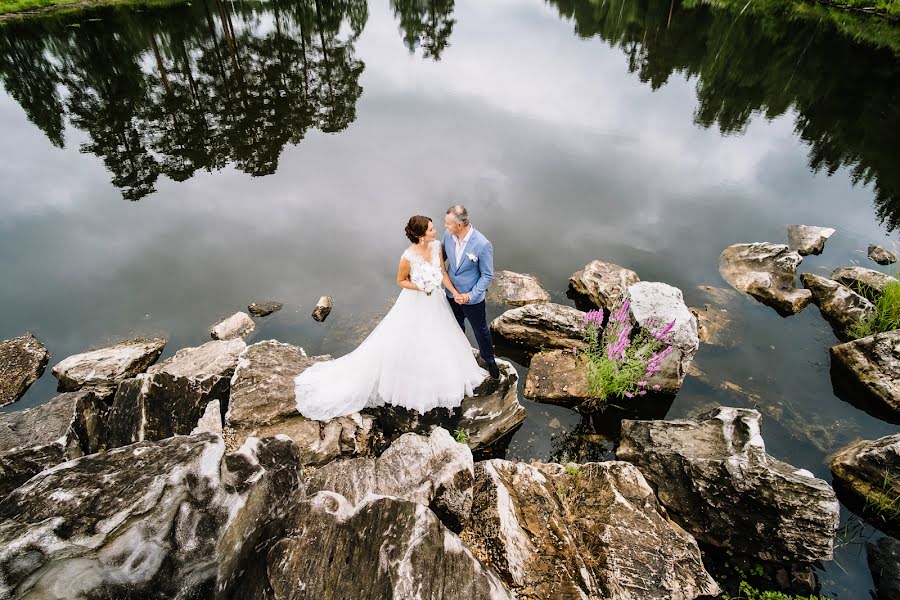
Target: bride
417	357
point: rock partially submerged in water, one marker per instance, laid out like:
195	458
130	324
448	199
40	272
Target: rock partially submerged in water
840	305
867	476
22	362
264	309
104	369
767	272
516	289
434	471
493	412
558	377
884	563
31	440
591	530
140	521
380	548
601	283
715	479
881	255
323	308
238	325
867	282
866	372
808	239
538	326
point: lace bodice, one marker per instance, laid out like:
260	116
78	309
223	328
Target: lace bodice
423	272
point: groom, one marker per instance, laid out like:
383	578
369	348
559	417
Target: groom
471	268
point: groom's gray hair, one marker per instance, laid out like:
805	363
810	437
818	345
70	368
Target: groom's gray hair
460	214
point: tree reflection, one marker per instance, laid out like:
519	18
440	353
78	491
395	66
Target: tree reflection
189	87
844	93
426	24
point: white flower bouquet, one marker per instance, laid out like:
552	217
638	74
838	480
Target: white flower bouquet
427	280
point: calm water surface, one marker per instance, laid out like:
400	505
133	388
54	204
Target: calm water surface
164	167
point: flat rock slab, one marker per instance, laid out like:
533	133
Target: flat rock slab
323	308
217	358
516	289
558	377
866	282
22	362
715	479
587	531
808	239
381	548
434	471
104	369
238	325
867	476
264	309
601	283
540	326
870	365
840	305
767	272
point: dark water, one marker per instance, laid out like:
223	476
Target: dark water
163	167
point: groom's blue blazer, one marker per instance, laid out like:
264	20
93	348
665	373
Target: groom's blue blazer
473	276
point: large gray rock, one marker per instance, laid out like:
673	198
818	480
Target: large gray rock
881	255
884	563
538	326
586	531
767	272
104	369
867	282
516	289
262	404
172	396
808	239
238	325
34	439
379	549
22	362
434	471
867	372
715	479
140	521
867	476
491	415
601	283
840	305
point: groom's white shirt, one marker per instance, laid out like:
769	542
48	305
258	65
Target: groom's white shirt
461	245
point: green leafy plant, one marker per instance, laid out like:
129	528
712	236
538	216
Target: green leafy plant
887	312
461	436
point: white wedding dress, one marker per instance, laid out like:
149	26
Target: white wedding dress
417	357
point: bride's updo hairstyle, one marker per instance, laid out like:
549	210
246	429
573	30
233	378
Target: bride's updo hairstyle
416	228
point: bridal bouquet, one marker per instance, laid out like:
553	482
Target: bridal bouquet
427	280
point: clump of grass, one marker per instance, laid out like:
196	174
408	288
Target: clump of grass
886	316
461	436
884	503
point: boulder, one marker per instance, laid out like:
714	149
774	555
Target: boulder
211	421
262	403
881	255
808	239
715	479
264	309
22	362
323	308
493	413
767	272
539	326
175	394
380	548
516	289
238	325
884	563
581	531
34	439
652	305
840	305
104	369
140	521
867	282
558	377
434	471
867	477
601	283
866	372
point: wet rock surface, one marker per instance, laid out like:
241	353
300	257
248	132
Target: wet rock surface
767	272
264	309
22	362
715	479
867	476
323	308
808	239
840	305
866	373
881	255
884	563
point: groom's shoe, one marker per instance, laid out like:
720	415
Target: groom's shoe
494	371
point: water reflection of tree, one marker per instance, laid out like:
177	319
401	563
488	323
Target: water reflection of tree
426	24
169	92
844	93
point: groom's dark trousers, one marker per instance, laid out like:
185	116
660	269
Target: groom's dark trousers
476	315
